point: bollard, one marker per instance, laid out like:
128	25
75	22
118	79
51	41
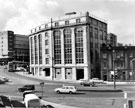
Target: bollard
125	97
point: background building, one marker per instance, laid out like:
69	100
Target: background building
68	48
13	47
120	59
112	39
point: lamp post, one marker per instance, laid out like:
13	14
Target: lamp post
114	80
132	67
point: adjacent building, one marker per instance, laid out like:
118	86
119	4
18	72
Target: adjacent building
13	47
68	47
112	39
118	61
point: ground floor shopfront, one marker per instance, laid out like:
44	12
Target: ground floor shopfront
61	73
119	75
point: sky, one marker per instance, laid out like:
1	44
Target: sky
21	16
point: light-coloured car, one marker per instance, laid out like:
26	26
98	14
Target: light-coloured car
80	81
96	80
4	79
66	89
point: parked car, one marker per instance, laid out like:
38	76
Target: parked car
81	81
88	83
96	80
66	89
26	87
2	82
4	79
5	102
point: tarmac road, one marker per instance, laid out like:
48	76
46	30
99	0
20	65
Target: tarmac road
83	99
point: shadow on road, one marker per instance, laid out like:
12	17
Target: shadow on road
17	104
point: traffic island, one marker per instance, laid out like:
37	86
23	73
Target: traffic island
99	89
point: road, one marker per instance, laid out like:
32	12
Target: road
86	97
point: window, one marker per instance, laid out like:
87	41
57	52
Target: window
131	54
46	51
96	33
40	48
66	22
46	26
68	46
46	42
101	35
78	20
56	24
57	47
47	60
104	55
91	32
36	50
79	45
46	34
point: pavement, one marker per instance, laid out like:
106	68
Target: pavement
59	103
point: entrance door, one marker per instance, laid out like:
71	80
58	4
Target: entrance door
47	71
105	77
79	74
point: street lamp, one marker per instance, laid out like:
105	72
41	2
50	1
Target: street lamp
132	67
113	60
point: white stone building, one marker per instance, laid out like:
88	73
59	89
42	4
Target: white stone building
68	48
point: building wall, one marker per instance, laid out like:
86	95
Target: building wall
69	49
21	48
13	47
121	59
112	39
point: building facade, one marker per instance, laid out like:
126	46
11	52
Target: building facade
112	39
68	48
13	47
118	61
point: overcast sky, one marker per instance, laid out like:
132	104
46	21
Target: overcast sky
22	15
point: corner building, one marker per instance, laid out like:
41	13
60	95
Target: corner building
68	48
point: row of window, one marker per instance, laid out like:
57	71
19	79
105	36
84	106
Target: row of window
57	46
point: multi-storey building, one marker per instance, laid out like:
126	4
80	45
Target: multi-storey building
68	48
13	47
112	39
118	61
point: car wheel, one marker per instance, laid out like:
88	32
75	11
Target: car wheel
70	92
58	92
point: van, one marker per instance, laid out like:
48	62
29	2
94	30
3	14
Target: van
31	101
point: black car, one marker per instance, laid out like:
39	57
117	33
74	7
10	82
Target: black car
26	87
88	83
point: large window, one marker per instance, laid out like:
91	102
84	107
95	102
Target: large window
46	42
32	51
79	45
96	33
36	50
40	48
57	47
67	46
101	35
